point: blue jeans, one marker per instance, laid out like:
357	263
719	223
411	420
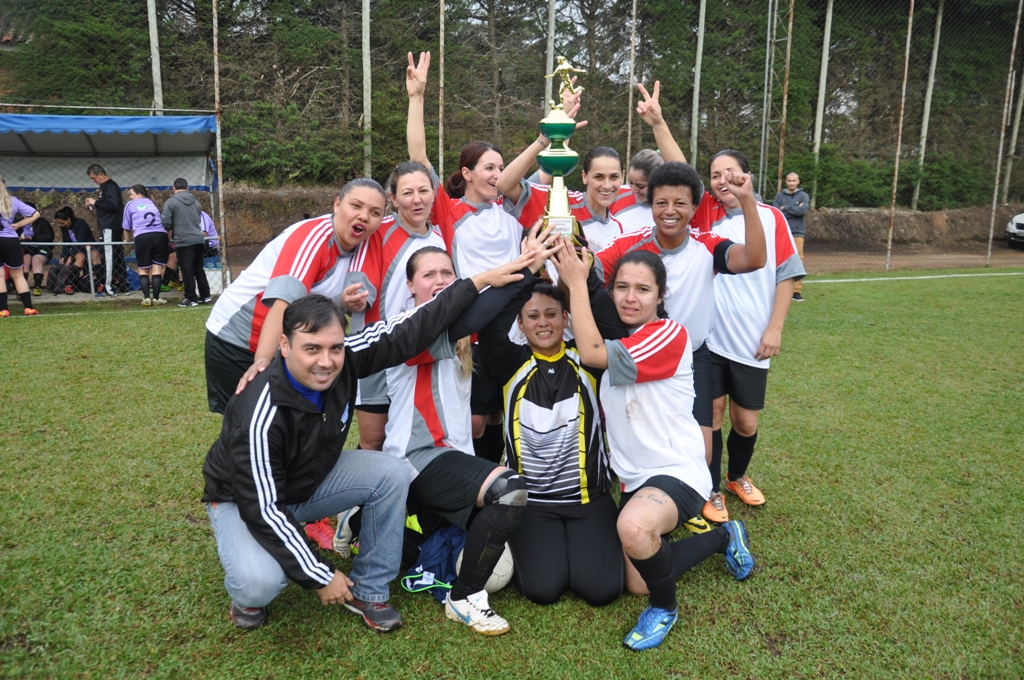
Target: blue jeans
377	481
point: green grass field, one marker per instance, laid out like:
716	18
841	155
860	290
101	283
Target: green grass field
890	453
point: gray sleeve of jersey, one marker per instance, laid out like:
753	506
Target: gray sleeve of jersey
359	277
621	367
792	268
442	348
516	210
599	268
535	177
284	287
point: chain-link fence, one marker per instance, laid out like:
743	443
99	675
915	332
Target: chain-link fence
832	91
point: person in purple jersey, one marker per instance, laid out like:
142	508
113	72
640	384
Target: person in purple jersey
10	248
210	231
142	218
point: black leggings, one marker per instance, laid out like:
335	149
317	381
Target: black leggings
572	547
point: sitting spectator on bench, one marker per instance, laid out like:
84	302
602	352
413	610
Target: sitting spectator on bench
36	256
75	230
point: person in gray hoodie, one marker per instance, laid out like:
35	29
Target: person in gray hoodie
182	216
794	202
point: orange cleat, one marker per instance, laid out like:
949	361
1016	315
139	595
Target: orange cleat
714	509
4	313
31	311
322	532
745	489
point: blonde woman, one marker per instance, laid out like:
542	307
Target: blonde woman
10	248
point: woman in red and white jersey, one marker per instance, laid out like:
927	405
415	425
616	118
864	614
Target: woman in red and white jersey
750	311
480	234
375	288
311	256
656	446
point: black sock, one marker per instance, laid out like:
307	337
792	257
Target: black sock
491	445
99	275
411	542
3	301
38	279
656	571
716	461
157	282
485	542
144	283
26	299
692	550
741	450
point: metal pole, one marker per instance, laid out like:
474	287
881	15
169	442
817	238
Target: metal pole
154	57
819	112
927	106
1013	140
632	85
766	105
225	272
440	100
785	96
899	135
367	94
1002	134
696	82
548	82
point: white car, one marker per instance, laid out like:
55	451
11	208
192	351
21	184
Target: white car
1015	231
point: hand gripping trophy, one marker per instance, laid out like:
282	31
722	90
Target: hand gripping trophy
559	160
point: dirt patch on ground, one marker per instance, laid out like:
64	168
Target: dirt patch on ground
867	227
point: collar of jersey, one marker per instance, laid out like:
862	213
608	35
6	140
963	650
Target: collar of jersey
670	251
477	207
593	213
410	232
552	359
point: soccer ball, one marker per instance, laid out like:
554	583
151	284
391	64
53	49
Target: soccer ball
501	575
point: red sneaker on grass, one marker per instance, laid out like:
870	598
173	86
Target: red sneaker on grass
322	532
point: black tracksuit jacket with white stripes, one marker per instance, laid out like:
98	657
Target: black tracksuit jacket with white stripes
275	447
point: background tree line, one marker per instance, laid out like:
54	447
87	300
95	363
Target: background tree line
291	80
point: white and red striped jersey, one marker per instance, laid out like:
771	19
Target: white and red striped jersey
690	270
744	302
305	258
482	236
533	202
381	268
647	400
429	406
630	212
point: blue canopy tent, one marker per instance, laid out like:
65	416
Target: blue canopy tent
51	153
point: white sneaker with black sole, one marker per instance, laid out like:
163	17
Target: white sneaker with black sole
343	535
475	613
185	302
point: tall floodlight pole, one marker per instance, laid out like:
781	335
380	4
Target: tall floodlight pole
785	96
220	159
1002	133
766	104
899	136
632	85
440	98
367	94
927	106
154	58
1013	139
696	82
550	64
819	111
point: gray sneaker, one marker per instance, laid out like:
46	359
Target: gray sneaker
380	616
247	618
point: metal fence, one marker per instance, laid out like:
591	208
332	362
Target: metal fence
902	119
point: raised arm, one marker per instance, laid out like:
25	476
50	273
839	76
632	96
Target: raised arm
589	342
509	183
753	252
650	110
416	86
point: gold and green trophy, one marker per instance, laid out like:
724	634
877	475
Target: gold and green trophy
558	160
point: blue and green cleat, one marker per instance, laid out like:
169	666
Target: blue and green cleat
651	629
738	558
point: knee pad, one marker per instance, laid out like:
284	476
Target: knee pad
508	488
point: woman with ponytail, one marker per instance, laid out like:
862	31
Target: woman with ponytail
10	248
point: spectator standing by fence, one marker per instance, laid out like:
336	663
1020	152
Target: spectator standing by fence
793	202
183	217
109	206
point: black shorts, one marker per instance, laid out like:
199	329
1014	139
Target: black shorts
485	393
45	251
702	385
150	249
745	385
449	486
688	502
10	253
225	366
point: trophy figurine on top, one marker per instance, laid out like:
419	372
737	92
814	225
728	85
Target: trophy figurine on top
559	160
